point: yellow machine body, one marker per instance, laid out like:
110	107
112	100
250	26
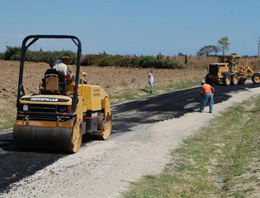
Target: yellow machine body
92	115
229	71
57	117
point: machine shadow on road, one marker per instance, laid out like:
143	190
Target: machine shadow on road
6	142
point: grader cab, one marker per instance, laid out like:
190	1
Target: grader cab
229	71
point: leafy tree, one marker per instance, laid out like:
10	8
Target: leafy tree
180	54
223	44
207	50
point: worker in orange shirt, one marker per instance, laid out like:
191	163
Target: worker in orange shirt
207	92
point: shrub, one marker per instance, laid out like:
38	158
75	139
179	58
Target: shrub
186	60
105	61
171	64
123	62
135	61
147	62
12	52
2	55
92	59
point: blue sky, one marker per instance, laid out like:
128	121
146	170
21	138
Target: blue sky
141	27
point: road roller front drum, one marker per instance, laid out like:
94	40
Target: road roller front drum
65	139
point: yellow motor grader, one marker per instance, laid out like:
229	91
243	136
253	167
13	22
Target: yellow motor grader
62	111
229	71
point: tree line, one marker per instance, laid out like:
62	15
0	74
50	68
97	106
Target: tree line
14	53
103	59
159	61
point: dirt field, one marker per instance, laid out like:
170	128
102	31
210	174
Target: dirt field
112	79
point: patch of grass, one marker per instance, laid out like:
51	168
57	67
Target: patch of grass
128	96
133	94
7	121
176	86
218	161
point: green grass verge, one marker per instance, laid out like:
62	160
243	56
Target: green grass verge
134	94
7	121
221	160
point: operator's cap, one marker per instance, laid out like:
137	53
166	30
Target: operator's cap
84	73
65	57
203	82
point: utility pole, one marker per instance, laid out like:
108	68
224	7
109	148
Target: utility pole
259	46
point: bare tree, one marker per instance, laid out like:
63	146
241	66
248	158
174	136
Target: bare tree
207	50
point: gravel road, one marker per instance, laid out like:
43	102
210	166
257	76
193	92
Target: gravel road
143	135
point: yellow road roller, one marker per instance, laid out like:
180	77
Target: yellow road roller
62	111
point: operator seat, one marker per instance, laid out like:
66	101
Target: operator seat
53	82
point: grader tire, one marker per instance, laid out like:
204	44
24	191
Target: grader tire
256	78
227	80
234	79
208	80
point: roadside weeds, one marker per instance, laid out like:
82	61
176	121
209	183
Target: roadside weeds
220	160
135	94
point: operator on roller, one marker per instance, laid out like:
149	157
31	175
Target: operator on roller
61	65
207	92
